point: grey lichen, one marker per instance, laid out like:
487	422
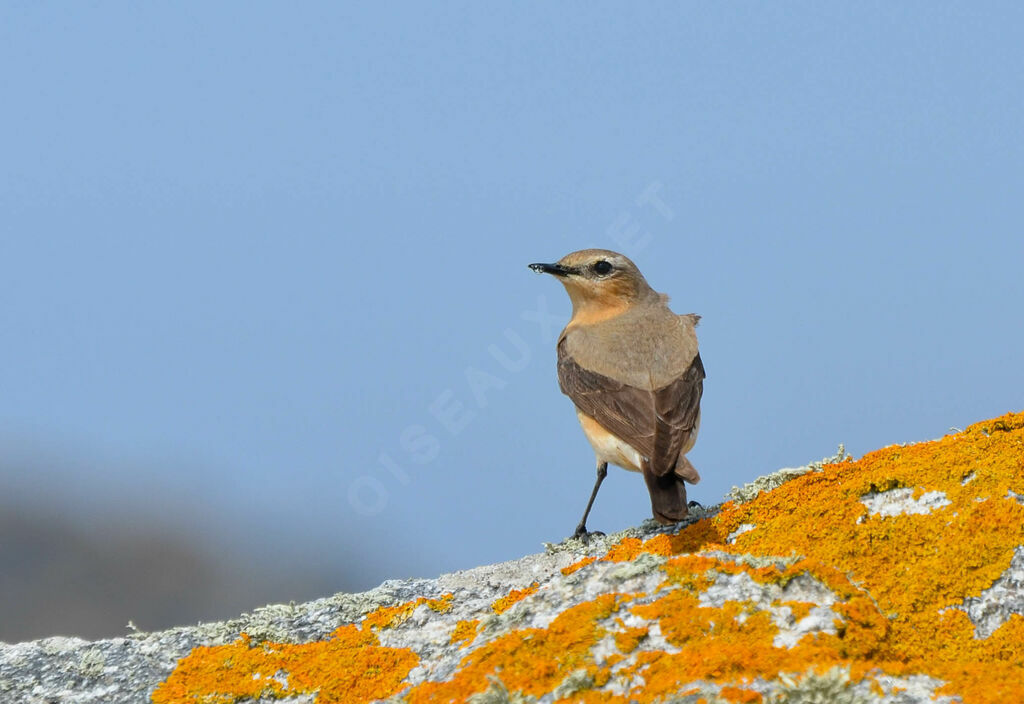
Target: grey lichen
644	563
498	693
832	687
577	681
598	544
92	662
126	670
706	696
781	562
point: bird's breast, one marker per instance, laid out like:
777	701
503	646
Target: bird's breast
646	349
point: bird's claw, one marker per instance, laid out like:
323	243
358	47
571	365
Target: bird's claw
585	535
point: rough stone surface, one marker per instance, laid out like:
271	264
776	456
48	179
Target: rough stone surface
817	584
1005	597
127	669
903	501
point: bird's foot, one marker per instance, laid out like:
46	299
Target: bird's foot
585	535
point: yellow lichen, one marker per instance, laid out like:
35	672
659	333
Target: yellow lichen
909	570
391	616
465	632
614	659
799	609
898	582
578	565
628	638
742	696
348	667
506	602
533	661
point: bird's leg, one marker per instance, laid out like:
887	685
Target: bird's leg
581	529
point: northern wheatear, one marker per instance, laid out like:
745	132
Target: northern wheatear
632	368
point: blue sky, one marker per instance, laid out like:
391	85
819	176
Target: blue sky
263	266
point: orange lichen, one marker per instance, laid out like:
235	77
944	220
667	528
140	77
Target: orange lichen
628	549
909	569
578	565
898	583
391	616
506	602
465	632
615	658
532	661
349	666
743	696
628	638
799	609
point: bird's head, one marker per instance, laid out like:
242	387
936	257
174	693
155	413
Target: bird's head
598	279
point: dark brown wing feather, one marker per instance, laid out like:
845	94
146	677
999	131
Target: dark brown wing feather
677	406
656	423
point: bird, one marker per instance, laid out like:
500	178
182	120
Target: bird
633	370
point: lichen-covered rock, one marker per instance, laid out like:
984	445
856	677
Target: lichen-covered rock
897	578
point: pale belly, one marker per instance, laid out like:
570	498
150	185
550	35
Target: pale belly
607	447
612	450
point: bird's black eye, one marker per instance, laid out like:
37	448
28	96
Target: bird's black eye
602	267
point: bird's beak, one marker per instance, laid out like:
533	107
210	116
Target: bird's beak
555	269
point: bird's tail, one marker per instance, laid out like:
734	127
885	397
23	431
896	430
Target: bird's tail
668	496
685	470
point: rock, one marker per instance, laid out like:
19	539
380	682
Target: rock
896	578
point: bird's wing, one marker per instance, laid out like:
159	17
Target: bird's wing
678	407
657	423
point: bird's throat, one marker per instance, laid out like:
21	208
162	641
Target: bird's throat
588	310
